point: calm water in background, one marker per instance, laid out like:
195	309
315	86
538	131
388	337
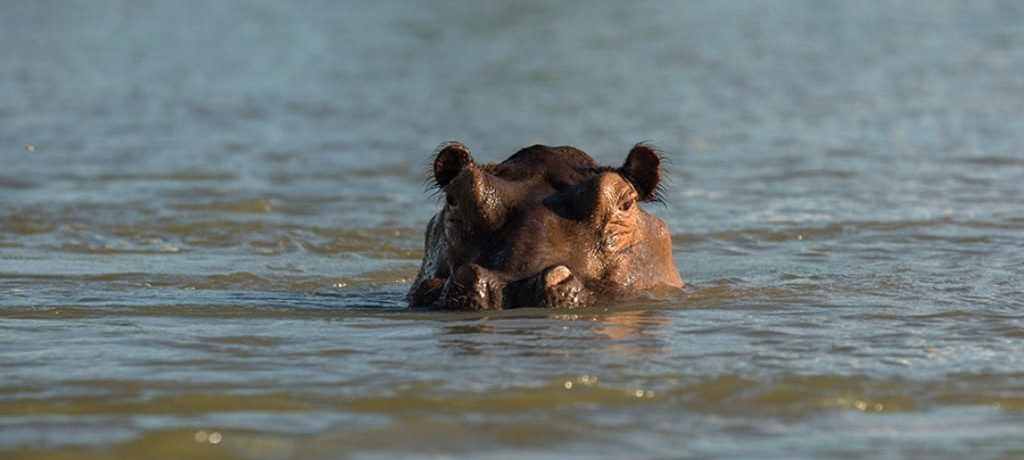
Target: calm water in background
206	251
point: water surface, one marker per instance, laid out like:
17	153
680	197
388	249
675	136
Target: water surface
209	215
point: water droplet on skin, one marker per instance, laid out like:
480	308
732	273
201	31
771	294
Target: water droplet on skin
567	385
215	437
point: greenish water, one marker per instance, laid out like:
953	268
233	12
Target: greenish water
204	252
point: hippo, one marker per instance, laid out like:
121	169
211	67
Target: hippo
547	227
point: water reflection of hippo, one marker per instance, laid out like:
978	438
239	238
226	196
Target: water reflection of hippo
547	227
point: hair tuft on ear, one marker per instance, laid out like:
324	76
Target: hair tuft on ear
450	160
643	169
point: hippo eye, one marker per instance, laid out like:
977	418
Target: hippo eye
451	201
627	205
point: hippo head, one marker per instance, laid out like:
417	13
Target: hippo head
548	227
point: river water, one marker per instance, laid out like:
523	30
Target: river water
210	212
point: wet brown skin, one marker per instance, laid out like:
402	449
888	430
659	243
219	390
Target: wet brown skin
547	227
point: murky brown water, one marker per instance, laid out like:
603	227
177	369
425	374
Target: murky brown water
205	250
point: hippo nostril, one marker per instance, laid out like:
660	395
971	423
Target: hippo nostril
555	287
557	276
475	288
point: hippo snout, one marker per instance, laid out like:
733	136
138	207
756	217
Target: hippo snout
473	287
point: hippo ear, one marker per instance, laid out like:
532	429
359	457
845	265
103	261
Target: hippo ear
643	169
452	158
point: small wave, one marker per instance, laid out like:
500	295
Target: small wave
255	206
993	160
